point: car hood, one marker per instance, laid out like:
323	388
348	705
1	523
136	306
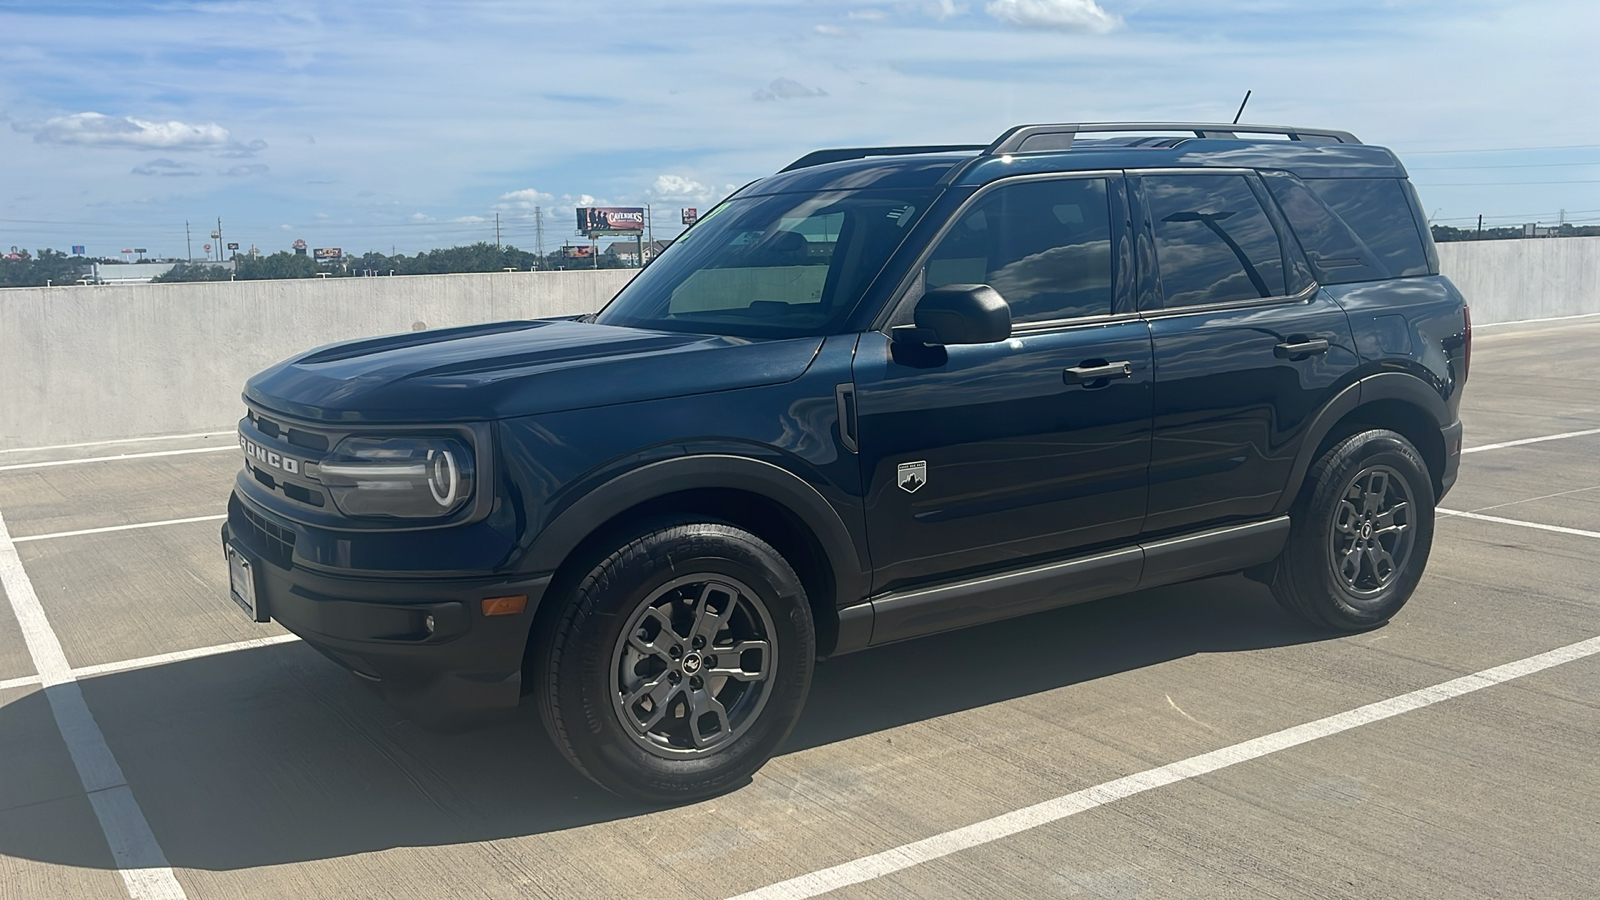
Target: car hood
508	369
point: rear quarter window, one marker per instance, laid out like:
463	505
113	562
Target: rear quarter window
1377	212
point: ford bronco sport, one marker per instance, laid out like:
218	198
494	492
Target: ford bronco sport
884	393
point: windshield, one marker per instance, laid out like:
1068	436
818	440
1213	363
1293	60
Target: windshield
783	265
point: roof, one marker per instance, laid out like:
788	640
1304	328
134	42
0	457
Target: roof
1026	149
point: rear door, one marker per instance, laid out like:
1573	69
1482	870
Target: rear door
990	455
1247	347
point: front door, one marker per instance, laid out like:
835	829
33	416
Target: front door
988	456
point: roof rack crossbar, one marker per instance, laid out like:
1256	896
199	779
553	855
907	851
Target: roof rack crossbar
819	157
1041	138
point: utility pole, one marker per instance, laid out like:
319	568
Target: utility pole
497	231
1479	235
188	242
219	239
538	235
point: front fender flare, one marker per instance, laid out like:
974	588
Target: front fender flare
705	471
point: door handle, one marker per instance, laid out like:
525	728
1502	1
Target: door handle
1087	374
1292	349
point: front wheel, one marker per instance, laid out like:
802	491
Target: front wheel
680	663
1361	534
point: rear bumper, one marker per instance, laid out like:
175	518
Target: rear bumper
467	669
1452	458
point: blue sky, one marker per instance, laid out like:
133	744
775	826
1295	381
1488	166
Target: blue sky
410	125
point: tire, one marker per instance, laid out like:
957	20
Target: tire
631	690
1360	534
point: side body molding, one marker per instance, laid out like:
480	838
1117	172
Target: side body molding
713	471
1383	386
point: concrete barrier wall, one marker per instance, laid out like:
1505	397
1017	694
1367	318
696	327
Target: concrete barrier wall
107	362
103	363
1514	281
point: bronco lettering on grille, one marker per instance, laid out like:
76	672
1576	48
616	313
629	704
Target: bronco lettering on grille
266	457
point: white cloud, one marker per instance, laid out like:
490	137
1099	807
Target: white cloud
166	167
92	129
527	198
421	217
945	9
833	31
787	89
677	187
245	171
1062	15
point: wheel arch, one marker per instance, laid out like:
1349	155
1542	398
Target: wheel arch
767	500
1396	401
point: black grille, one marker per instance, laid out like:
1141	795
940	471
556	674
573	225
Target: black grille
276	543
307	439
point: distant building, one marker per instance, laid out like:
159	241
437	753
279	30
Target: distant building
142	273
628	251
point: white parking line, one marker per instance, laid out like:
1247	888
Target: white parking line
977	834
94	459
162	659
1533	440
63	534
1556	528
137	440
140	861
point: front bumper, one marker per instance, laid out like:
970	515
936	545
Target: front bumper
465	670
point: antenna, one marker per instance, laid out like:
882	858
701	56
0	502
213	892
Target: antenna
1241	107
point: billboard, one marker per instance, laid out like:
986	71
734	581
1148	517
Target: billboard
593	220
327	253
232	245
77	249
691	216
582	251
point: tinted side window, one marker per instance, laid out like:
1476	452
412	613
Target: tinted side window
1337	255
1377	211
1214	242
1044	245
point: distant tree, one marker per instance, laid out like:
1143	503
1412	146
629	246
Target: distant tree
282	264
37	270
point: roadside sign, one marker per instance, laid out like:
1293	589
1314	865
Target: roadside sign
77	249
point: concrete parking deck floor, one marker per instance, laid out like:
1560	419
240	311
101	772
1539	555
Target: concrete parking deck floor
264	771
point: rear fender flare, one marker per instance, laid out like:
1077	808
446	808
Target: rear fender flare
1399	386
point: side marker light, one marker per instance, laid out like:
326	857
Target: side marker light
505	606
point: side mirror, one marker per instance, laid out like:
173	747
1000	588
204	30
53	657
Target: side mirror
958	314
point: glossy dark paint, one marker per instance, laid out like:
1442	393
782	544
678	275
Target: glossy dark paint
511	369
1026	473
1020	465
1231	415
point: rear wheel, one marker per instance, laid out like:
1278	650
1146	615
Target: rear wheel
1361	534
680	662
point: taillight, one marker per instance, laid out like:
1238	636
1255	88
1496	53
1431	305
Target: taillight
1466	343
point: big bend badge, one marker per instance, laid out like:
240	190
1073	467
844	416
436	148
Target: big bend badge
912	475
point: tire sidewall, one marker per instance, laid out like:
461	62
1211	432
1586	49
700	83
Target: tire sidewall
584	680
1345	608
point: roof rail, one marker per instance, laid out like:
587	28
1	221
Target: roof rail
1041	138
819	157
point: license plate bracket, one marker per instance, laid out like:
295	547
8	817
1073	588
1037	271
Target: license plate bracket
242	585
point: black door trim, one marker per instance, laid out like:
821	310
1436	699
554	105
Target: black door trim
899	615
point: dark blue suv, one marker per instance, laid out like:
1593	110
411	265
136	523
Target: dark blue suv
884	393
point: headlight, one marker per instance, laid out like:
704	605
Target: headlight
411	478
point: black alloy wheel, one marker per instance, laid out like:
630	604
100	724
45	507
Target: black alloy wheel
678	663
1360	534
